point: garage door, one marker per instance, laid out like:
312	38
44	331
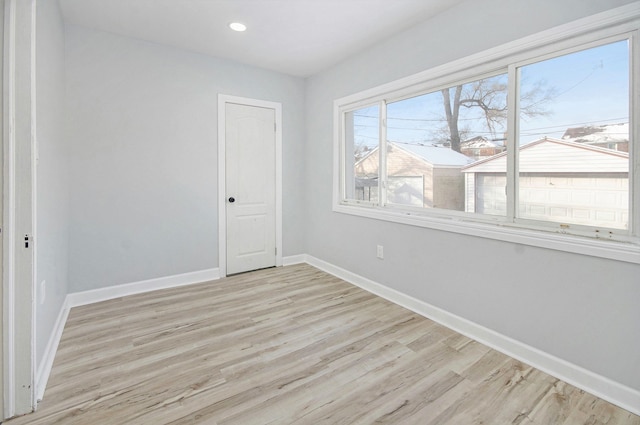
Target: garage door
490	194
575	199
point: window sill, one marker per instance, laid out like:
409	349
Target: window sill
613	250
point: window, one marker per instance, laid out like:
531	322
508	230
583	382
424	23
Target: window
574	162
533	139
431	137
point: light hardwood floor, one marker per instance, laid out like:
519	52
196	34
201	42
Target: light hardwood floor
290	345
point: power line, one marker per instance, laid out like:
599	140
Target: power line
417	119
558	127
584	123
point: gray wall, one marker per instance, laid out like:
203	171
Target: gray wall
142	129
52	210
579	308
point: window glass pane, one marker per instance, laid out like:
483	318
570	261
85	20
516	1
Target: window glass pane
362	137
574	138
434	140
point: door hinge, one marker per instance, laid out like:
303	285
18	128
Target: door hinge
275	126
27	239
276	250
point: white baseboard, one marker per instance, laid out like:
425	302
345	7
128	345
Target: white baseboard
103	294
600	386
294	259
44	369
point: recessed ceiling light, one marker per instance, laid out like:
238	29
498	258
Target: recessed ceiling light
237	26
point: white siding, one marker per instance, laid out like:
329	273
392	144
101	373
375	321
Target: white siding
562	158
553	156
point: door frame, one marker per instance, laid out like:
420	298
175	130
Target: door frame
222	176
18	209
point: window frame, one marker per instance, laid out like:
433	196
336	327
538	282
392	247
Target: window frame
620	235
342	158
614	25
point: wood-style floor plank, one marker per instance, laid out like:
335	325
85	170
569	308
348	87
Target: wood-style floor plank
290	345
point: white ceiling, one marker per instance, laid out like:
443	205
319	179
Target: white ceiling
297	37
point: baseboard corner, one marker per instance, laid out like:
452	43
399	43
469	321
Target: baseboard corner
44	369
294	259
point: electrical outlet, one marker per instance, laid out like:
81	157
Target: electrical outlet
380	252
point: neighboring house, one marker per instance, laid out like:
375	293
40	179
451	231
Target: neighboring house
610	136
420	175
480	147
572	182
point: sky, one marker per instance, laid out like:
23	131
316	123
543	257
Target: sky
592	87
589	87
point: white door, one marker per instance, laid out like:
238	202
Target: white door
250	192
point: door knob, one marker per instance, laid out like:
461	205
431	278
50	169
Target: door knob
232	199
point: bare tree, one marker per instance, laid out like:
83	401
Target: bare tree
489	95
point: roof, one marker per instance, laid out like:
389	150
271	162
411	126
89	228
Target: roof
479	142
434	154
607	133
557	156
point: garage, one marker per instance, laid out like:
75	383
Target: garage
559	181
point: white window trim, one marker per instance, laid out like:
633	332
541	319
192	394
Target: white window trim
612	23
